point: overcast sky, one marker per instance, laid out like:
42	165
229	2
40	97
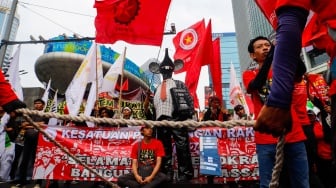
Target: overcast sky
37	20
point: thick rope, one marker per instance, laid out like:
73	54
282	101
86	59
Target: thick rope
191	124
65	150
176	124
279	159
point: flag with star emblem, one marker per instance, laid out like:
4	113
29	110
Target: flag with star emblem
186	44
134	21
204	52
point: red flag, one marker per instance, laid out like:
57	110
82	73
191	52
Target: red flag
316	34
124	86
193	72
317	86
136	22
215	69
187	42
268	9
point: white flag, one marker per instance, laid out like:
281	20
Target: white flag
76	89
45	95
90	103
53	108
14	75
91	100
111	77
236	93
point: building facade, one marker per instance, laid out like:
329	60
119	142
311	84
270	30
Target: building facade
5	7
249	23
228	54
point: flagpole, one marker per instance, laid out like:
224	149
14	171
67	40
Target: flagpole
96	107
121	79
52	102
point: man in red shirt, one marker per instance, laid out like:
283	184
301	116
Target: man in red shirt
146	158
257	81
291	17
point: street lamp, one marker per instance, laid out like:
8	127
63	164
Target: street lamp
172	30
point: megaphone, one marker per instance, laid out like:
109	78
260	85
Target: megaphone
178	64
154	66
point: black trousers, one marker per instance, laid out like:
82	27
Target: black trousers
181	140
128	180
28	153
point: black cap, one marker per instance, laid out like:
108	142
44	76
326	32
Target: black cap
238	107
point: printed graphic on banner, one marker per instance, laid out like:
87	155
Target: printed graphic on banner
209	157
236	149
107	151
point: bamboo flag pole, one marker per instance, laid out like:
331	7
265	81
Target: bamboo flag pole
121	79
96	107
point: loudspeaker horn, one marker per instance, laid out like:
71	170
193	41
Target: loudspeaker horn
178	64
154	66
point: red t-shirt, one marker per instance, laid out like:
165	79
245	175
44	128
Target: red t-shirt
260	138
332	90
323	148
149	151
299	100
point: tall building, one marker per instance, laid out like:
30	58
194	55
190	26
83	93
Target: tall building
229	54
5	7
249	23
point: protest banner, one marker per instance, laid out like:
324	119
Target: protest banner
107	151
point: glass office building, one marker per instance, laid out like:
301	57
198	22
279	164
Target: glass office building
229	54
5	6
249	23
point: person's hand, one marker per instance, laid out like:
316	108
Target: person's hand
138	179
13	105
224	111
275	121
148	179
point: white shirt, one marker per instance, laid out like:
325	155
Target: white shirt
164	107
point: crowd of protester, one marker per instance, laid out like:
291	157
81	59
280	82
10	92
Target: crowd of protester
317	129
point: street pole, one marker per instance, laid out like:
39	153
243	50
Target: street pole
7	32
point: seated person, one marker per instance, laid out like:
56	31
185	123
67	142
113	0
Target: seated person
146	158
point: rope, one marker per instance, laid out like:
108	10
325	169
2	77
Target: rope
279	159
176	124
65	150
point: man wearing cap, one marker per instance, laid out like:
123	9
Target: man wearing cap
165	110
241	114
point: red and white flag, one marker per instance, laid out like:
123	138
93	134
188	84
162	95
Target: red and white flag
187	43
203	53
236	93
